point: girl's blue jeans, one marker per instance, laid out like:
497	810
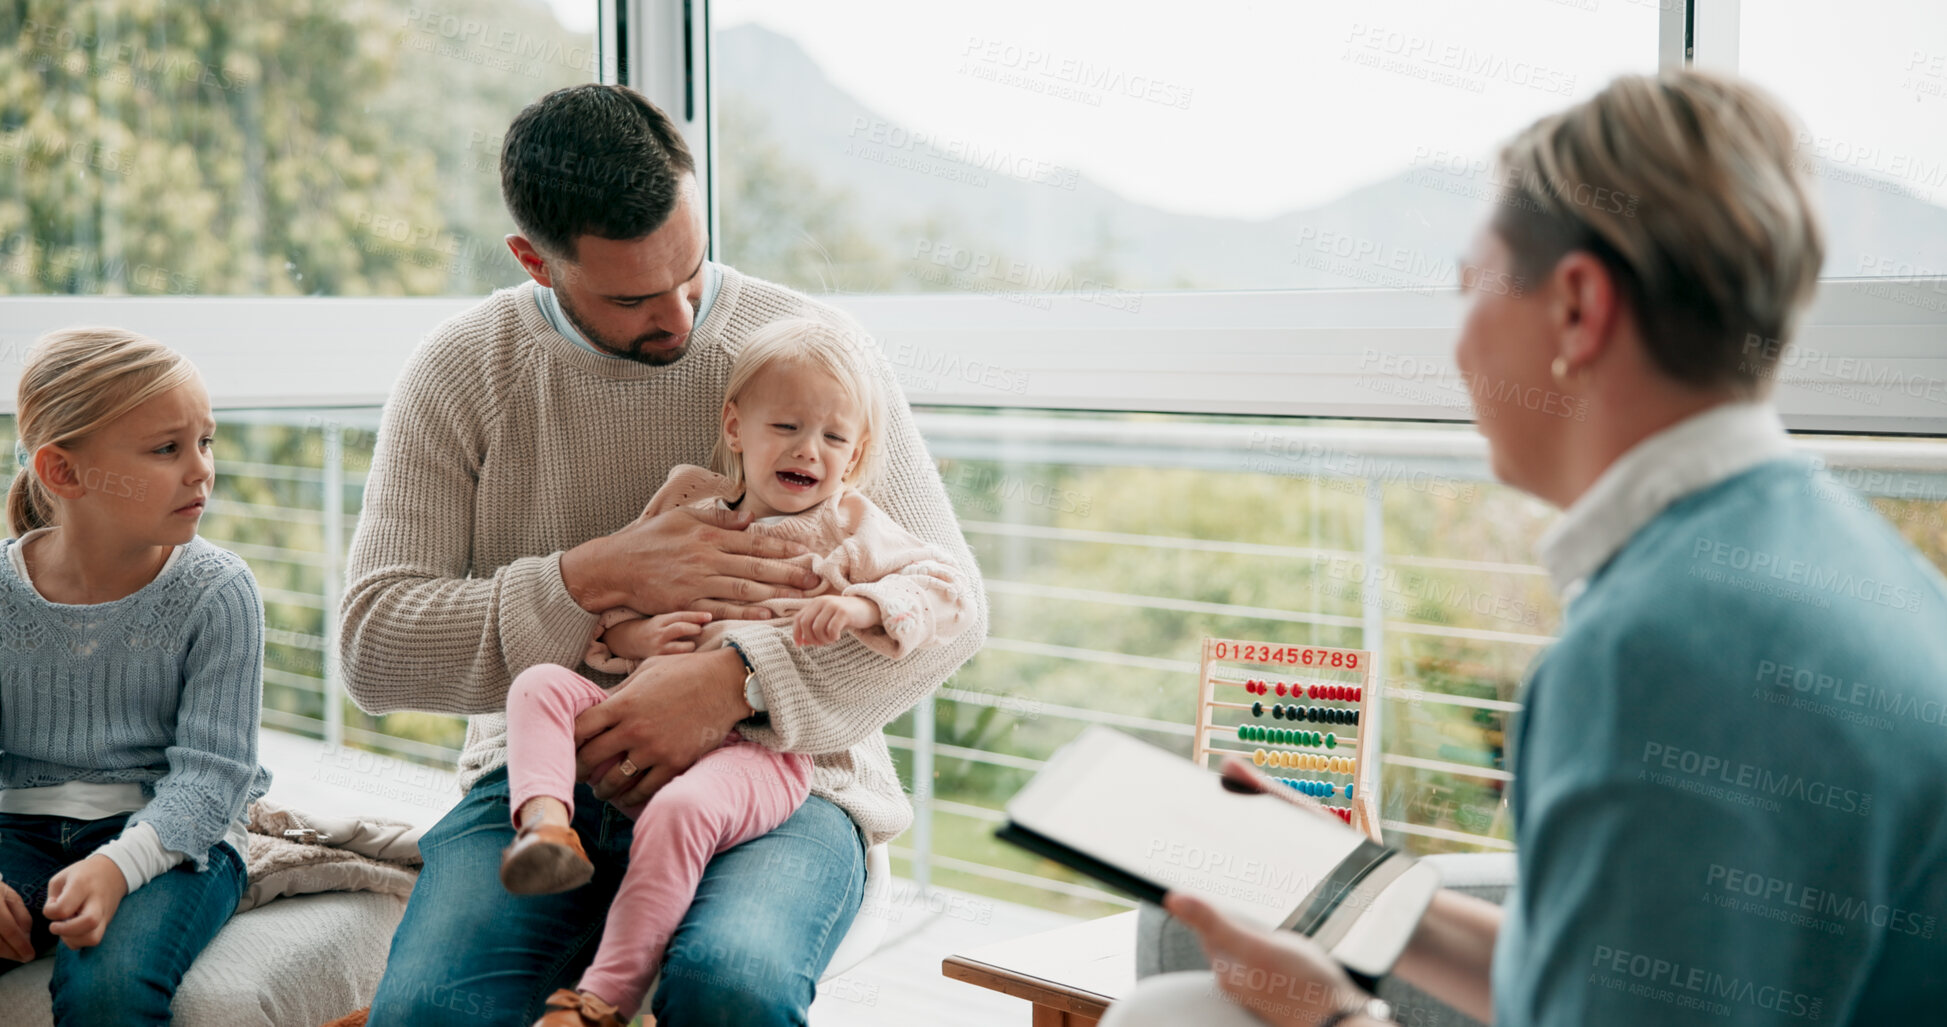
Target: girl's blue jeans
156	933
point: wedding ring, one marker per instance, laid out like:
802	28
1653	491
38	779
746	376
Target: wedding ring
628	768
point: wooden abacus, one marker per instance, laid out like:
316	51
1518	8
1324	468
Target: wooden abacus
1299	712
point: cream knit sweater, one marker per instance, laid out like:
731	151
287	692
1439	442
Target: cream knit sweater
505	444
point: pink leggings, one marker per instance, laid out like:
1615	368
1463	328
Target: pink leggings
736	792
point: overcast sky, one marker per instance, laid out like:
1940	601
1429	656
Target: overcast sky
1253	109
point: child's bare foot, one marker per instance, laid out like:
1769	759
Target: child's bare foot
546	856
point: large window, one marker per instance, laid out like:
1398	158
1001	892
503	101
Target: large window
1109	149
273	147
1241	219
1869	79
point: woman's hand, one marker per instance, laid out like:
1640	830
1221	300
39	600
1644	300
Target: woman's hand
665	634
16	927
82	899
825	619
1281	977
1241	775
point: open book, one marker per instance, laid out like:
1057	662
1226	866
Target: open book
1144	821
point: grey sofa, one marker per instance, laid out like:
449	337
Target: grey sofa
1165	946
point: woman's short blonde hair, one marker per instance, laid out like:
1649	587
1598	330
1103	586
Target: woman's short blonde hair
1688	188
78	381
807	345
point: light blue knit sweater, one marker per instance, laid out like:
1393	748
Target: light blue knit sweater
162	688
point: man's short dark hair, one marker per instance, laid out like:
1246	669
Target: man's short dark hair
591	159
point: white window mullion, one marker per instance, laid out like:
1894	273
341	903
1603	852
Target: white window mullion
669	62
1715	35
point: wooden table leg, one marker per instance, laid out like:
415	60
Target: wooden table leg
1049	1016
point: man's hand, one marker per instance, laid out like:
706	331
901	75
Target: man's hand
825	619
1282	977
661	718
684	560
16	927
82	899
665	634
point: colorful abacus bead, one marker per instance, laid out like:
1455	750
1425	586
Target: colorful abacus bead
1259	757
1331	741
1348	791
1257	709
1280	688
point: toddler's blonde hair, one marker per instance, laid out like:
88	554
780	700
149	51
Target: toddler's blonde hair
77	382
817	347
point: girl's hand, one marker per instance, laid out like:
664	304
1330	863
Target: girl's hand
82	899
665	634
1281	977
825	619
16	927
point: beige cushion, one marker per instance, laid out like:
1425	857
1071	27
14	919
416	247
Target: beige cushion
296	962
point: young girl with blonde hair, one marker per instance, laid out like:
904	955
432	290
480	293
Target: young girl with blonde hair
800	423
131	676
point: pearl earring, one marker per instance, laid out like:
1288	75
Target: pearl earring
1560	370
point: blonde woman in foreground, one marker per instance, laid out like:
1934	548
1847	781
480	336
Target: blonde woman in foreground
1707	830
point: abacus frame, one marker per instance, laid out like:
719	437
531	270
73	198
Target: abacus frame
1365	808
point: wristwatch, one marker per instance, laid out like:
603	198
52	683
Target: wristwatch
753	695
1365	1005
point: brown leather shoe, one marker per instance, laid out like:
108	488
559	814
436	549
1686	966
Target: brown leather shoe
545	859
579	1009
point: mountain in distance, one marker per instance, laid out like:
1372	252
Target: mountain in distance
1400	232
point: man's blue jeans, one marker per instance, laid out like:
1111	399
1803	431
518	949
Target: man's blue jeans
766	920
156	933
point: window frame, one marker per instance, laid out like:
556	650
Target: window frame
1878	367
